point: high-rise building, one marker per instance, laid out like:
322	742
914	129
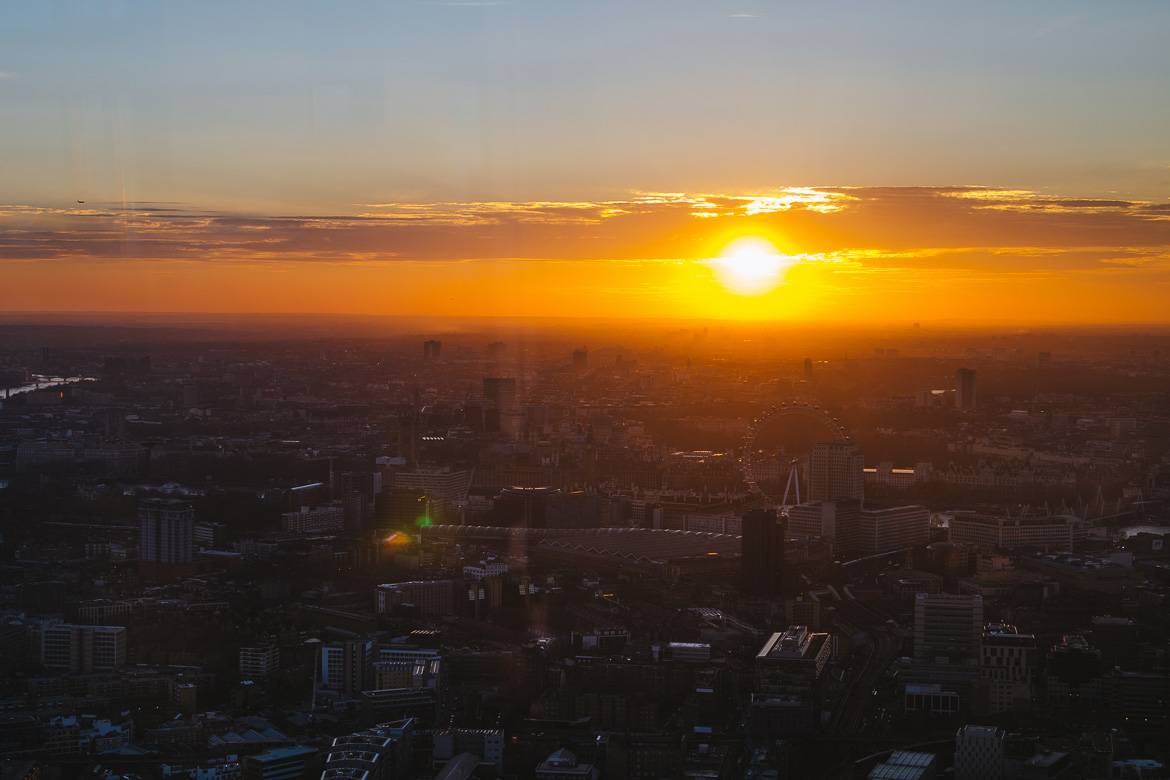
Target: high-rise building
346	665
808	369
979	753
76	648
965	389
787	691
792	662
166	531
947	627
445	490
762	557
1007	665
356	492
501	393
432	348
580	359
835	472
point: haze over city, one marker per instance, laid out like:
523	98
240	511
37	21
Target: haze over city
585	390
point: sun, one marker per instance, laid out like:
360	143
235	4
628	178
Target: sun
751	266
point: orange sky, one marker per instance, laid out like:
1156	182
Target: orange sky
486	157
963	255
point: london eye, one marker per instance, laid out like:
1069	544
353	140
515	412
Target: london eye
773	473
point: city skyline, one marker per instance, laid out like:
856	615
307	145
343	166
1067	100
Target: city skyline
598	389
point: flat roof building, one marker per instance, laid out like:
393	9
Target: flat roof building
283	763
430	597
792	662
78	648
1056	533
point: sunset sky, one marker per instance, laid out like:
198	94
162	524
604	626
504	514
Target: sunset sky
934	161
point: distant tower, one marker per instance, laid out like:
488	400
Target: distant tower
432	348
835	472
965	389
501	392
762	556
808	369
356	492
166	531
580	359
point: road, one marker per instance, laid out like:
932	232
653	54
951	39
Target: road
880	649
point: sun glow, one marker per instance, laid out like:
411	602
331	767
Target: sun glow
751	266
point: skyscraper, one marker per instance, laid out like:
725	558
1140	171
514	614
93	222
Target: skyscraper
357	492
762	558
165	531
965	389
808	369
501	392
432	348
835	472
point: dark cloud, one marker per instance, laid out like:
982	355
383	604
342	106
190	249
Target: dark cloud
866	228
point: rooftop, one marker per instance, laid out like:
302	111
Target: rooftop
792	644
280	753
